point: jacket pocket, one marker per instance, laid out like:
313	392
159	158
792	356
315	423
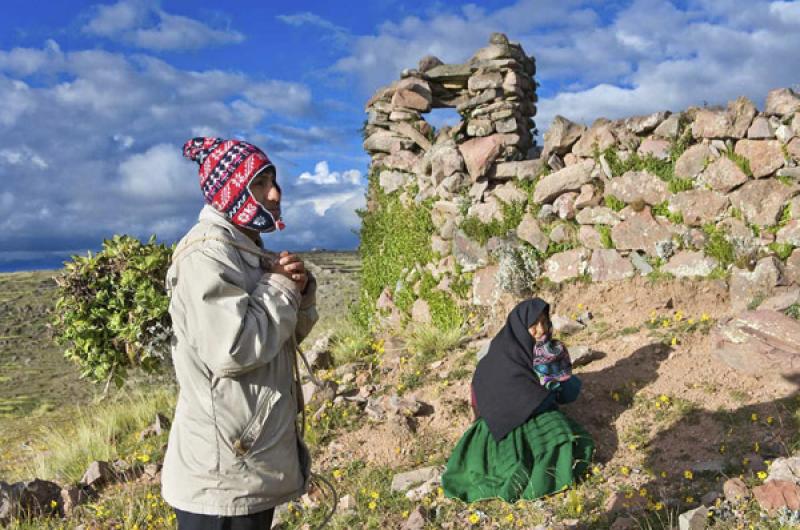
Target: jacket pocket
243	444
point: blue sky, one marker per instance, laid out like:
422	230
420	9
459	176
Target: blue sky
99	97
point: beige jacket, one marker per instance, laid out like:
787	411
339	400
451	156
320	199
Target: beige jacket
233	447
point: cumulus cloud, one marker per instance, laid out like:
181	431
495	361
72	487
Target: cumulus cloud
323	176
143	24
159	174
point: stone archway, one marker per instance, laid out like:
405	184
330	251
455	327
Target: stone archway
494	93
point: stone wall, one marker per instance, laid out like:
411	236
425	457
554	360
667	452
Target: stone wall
702	192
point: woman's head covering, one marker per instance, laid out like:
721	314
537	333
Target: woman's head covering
507	390
226	169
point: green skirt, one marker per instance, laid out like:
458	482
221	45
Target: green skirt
545	455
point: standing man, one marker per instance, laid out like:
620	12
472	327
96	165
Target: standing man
234	451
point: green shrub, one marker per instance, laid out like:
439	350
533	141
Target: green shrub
605	236
430	343
393	237
614	203
662	209
782	250
350	342
476	230
111	311
718	246
742	162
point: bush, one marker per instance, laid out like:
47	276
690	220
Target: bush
111	310
394	237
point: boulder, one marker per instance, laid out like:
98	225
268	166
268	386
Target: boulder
712	123
747	286
699	207
570	178
783	298
480	153
421	312
792	269
785	469
479	127
32	498
735	490
607	265
742	111
530	231
588	196
761	201
693	161
636	186
793	148
428	62
566	265
640	232
98	474
598	137
564	205
561	233
445	159
776	495
655	147
695	519
598	215
760	129
469	254
644	124
386	142
759	342
669	128
487	211
561	136
412	93
781	102
485	290
765	156
510	193
590	238
723	174
391	181
402	482
789	234
523	169
412	133
688	264
481	80
565	326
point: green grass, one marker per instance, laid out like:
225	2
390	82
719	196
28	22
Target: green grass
605	236
431	343
481	232
350	342
103	432
718	246
615	204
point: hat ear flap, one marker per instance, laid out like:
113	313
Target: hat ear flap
197	149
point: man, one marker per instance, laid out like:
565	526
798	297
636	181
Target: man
237	311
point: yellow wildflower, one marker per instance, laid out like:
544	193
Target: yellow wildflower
53	504
596	470
690	321
678	316
665	323
688	475
474	518
374	495
642	492
143	458
632	447
658	506
770	420
615	396
674	341
689	499
510	518
754	417
439	492
745	461
337	474
704	317
761	475
663	474
372	505
663	398
405	514
625	470
722	449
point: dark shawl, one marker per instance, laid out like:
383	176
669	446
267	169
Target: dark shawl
507	390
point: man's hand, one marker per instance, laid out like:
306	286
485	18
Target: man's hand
291	266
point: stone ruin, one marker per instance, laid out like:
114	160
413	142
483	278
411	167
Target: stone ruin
726	172
495	94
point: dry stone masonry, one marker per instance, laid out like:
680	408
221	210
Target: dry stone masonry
705	191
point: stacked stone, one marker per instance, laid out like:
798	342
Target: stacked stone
718	191
495	94
502	97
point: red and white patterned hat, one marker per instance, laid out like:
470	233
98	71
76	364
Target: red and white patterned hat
226	169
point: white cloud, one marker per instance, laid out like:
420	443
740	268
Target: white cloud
141	23
322	203
306	18
323	176
789	12
22	155
160	174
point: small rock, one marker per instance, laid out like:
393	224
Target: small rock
347	505
72	497
581	355
565	325
98	474
417	519
777	494
785	469
694	519
404	481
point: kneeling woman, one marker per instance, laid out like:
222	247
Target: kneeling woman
521	446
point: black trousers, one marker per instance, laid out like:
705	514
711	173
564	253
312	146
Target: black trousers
254	521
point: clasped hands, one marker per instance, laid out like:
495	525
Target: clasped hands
292	267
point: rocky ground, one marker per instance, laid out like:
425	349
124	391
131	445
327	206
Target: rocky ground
672	420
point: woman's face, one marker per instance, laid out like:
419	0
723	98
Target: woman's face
539	328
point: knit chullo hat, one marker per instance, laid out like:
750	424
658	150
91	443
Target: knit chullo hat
226	169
